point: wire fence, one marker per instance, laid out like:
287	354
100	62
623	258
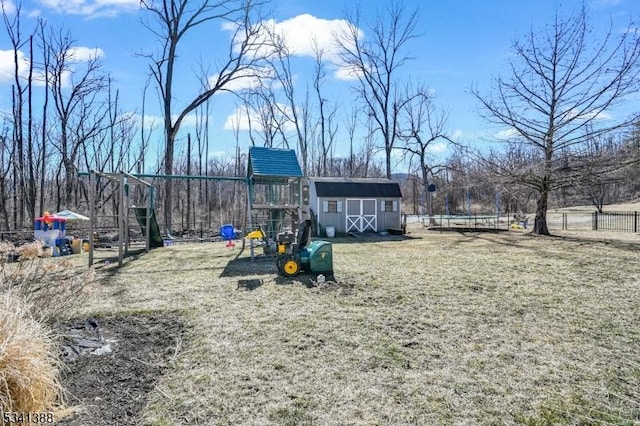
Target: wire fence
473	221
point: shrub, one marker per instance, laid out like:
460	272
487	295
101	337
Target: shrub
28	362
50	286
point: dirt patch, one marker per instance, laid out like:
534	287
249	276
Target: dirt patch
112	388
340	287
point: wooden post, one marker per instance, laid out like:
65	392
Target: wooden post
121	221
125	212
92	211
147	242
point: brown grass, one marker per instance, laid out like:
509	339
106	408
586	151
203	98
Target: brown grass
28	364
33	292
51	286
448	328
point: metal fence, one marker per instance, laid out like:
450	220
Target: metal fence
620	221
575	220
473	221
615	221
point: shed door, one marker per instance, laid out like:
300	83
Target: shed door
362	215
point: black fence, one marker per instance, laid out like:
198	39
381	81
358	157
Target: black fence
615	221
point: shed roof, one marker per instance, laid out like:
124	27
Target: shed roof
273	162
356	187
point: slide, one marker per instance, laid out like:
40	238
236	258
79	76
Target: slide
155	239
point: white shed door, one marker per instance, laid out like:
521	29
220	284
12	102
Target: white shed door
362	215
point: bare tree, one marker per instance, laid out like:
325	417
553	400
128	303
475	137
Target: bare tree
46	67
171	21
264	117
295	109
599	168
327	126
556	97
351	124
5	164
421	127
202	138
18	90
76	88
376	61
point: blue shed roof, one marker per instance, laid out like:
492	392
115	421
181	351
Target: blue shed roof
273	162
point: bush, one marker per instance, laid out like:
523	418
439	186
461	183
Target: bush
50	286
28	362
33	292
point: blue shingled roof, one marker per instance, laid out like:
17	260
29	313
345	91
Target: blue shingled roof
273	162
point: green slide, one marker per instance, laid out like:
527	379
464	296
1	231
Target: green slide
155	239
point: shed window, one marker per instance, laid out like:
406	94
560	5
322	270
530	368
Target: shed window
389	206
332	206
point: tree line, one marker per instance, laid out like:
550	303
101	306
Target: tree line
560	143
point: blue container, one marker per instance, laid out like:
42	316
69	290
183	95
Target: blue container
227	232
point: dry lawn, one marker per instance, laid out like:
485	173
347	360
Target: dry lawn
445	328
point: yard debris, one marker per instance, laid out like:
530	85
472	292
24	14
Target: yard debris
331	284
84	339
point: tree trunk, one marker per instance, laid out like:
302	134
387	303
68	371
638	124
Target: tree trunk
43	158
189	182
69	178
540	224
168	183
3	203
31	183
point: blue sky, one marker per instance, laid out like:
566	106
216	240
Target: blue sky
463	42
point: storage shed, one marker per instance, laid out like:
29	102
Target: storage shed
354	204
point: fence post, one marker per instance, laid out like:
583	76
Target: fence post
595	221
635	222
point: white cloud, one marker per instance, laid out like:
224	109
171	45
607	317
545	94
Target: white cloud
92	8
83	54
346	73
246	79
238	120
150	121
219	154
7	65
191	120
506	134
244	120
8	6
303	36
437	147
7	68
591	115
302	32
156	122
